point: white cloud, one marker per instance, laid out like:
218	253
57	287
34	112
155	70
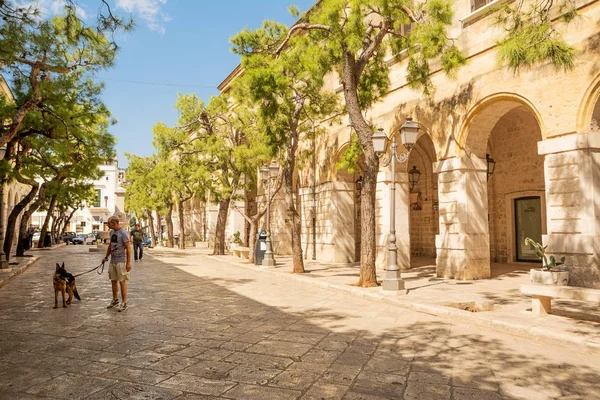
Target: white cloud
48	8
149	10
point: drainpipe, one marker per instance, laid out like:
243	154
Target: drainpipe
314	195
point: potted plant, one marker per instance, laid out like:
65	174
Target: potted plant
236	240
551	273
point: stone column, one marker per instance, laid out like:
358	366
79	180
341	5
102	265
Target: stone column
343	211
572	176
384	180
463	245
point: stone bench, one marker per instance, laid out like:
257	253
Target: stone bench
542	296
241	252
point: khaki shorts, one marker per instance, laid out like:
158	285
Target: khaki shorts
117	271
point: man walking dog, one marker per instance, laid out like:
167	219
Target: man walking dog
120	262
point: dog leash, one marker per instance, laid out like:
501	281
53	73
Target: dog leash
98	271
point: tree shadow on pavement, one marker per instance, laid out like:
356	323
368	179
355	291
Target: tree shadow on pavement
227	332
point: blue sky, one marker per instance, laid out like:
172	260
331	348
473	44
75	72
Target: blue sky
177	46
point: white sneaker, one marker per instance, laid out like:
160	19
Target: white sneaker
113	303
123	307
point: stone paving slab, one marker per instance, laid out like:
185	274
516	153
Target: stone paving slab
575	323
22	263
183	338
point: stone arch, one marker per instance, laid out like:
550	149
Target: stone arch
16	198
508	128
589	110
482	118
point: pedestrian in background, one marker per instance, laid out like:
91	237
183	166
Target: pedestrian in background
119	251
137	235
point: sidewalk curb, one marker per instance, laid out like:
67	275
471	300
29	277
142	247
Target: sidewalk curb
534	332
19	271
56	246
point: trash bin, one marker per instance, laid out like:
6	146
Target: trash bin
48	239
260	247
26	242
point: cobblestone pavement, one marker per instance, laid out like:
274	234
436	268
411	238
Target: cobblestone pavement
198	328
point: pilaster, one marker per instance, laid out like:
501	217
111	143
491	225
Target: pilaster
463	247
572	175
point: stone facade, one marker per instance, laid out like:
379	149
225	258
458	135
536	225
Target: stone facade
540	126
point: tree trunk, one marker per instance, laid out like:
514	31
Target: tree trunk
25	218
67	221
159	225
11	223
46	223
26	107
56	222
151	224
368	250
169	222
181	223
219	248
298	261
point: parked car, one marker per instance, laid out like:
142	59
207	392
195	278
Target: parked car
90	238
36	238
79	239
68	237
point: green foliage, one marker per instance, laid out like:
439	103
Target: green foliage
67	137
355	24
532	37
237	238
40	56
540	252
351	156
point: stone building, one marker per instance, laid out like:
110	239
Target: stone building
12	192
539	126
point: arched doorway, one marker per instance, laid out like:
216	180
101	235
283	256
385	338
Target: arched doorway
504	134
516	188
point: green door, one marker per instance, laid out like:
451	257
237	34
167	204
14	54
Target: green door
528	223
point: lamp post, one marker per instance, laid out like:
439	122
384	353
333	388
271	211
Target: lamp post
267	173
408	134
3	261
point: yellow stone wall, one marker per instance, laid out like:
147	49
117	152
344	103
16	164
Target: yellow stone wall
486	109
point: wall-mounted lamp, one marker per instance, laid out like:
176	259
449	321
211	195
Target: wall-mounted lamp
413	177
491	164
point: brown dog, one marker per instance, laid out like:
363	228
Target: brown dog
64	282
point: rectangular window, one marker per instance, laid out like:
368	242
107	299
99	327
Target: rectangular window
82	223
97	199
477	4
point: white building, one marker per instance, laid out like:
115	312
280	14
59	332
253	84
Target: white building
110	200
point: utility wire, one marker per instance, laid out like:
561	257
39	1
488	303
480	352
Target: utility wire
158	83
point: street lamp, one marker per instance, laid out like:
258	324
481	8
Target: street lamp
267	173
3	261
408	134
